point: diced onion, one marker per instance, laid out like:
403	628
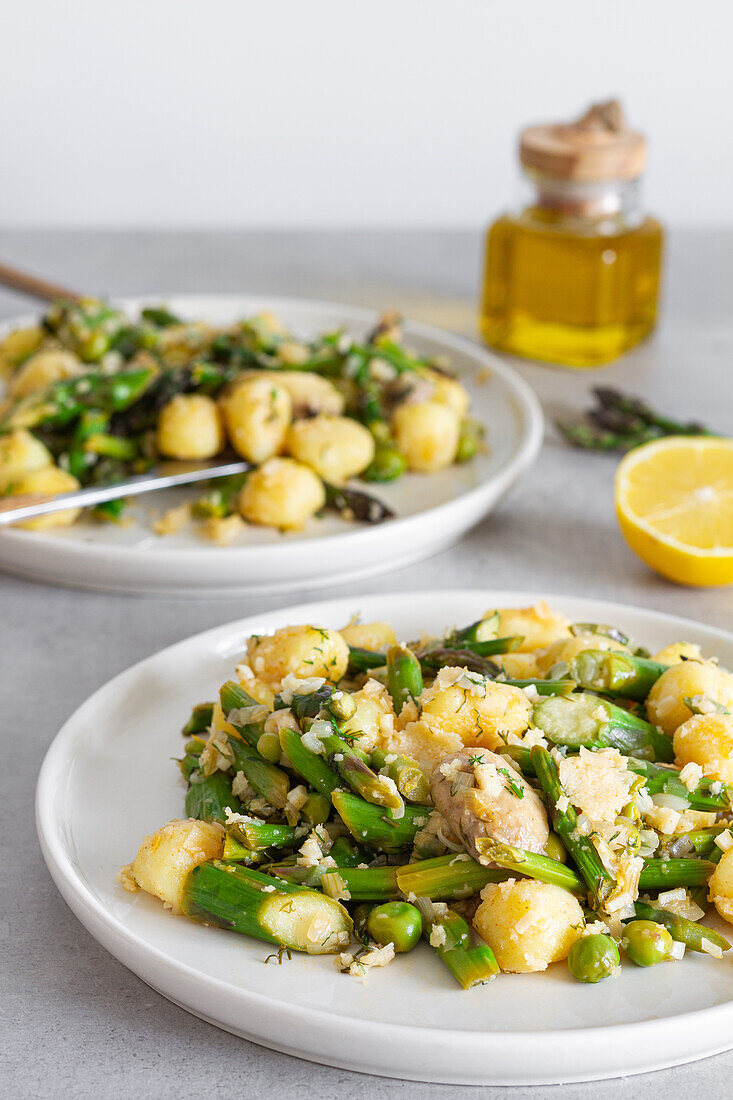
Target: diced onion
671	802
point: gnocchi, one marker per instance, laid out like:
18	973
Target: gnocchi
707	740
528	925
166	858
282	493
687	680
427	434
336	447
48	480
257	412
303	651
21	453
189	427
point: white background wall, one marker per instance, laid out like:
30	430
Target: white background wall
339	112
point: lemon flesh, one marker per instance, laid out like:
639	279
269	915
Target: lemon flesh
674	503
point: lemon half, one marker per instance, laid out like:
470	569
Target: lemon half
674	503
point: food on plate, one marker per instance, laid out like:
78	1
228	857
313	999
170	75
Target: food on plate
99	396
349	794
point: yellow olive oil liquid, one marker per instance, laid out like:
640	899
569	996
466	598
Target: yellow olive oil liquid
564	296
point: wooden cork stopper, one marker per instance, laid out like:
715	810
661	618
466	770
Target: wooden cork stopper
595	148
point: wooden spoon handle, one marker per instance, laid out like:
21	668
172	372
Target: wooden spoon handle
33	286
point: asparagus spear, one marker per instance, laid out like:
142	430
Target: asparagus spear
699	841
446	878
616	673
520	756
356	504
488	647
581	719
258	835
406	774
238	709
665	874
376	826
61	402
469	959
310	765
666	780
316	809
434	659
200	719
361	660
188	765
345	853
542	687
450	878
470	438
109	511
209	796
602	629
239	852
279	912
692	934
220	499
310	705
348	762
361	883
160	316
565	822
619	422
90	422
536	866
404	676
267	779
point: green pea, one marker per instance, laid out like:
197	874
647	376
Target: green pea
387	465
395	922
593	958
646	942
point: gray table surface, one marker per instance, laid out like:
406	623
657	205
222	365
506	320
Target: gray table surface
75	1023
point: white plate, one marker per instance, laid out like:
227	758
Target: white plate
108	779
432	511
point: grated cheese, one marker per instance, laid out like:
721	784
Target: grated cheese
724	840
437	936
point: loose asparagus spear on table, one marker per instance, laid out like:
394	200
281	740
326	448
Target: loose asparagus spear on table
618	422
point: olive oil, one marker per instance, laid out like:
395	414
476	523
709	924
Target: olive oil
553	293
573	277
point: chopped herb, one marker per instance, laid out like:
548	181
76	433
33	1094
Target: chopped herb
510	785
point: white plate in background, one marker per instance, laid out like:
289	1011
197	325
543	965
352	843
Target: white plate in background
432	510
108	779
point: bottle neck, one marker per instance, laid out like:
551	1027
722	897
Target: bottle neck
594	201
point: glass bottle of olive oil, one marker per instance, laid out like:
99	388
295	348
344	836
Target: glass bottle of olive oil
573	277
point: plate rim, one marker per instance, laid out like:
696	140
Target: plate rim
531	438
71	885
